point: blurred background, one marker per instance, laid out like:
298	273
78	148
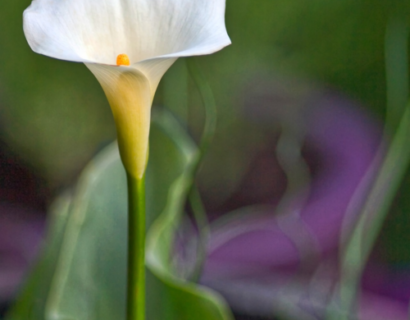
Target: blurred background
301	96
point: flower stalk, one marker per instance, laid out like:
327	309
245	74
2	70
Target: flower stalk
136	248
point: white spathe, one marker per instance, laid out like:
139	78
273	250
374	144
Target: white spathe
153	33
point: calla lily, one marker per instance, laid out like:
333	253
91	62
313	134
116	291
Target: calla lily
152	33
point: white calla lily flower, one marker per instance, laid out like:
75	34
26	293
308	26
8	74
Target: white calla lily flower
152	33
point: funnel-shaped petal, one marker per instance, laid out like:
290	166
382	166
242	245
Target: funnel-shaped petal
153	33
129	94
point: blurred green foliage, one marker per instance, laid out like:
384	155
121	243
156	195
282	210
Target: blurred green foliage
82	271
54	115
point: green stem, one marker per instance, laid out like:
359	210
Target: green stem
372	217
136	249
209	104
397	66
203	229
364	234
206	139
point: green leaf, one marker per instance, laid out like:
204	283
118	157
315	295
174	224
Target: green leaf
183	300
82	273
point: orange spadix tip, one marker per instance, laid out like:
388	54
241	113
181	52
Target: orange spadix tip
123	60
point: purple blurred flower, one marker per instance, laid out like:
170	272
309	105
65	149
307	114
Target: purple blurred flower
21	232
22	219
266	264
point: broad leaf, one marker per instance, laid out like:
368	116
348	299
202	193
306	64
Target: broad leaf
82	273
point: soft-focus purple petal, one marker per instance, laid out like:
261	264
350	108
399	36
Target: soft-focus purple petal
21	232
346	143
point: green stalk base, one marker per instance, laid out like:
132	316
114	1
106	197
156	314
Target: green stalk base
136	249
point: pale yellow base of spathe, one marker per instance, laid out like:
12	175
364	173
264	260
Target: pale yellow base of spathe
129	94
